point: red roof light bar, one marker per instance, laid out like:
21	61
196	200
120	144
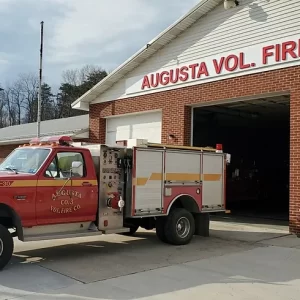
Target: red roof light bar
52	139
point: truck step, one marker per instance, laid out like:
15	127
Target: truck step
116	230
57	236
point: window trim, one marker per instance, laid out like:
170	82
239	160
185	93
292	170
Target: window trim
56	159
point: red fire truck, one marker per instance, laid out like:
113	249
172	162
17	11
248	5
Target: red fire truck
55	189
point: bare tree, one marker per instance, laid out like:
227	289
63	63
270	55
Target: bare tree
75	83
3	111
14	101
71	77
18	101
77	77
29	88
9	106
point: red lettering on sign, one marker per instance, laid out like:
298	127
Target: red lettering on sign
266	52
184	75
146	83
164	78
202	70
193	67
174	79
219	65
288	48
281	52
242	64
231	62
277	52
154	80
226	64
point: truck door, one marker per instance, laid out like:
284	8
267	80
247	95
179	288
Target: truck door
64	196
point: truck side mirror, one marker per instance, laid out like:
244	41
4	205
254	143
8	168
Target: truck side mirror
77	167
76	164
228	158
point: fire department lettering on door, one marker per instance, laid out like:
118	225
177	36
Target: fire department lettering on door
68	205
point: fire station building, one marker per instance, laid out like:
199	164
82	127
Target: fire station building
218	76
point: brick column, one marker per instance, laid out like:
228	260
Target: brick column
294	161
176	120
97	125
187	132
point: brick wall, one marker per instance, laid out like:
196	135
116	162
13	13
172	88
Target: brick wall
5	150
177	114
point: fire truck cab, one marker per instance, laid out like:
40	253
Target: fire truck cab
55	189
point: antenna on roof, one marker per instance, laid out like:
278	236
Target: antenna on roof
40	83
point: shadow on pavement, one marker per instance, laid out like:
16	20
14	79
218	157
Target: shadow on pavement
47	271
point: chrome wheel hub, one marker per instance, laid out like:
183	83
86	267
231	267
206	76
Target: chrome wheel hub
1	247
183	227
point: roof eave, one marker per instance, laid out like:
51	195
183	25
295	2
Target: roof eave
86	98
81	133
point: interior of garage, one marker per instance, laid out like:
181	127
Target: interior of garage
257	135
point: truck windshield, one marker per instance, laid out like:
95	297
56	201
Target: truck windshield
25	160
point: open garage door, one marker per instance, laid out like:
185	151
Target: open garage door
257	135
137	126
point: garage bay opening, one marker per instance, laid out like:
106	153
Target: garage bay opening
257	135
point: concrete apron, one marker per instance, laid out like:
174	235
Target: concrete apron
246	232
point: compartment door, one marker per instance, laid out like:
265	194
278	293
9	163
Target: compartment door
213	192
148	182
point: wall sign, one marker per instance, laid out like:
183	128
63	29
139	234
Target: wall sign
259	57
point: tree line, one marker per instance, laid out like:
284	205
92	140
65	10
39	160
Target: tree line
19	99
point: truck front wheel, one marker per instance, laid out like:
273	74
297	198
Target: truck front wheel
179	227
6	246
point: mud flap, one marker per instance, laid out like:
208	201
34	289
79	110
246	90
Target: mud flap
202	221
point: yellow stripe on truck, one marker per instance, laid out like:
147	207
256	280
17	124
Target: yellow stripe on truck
55	182
212	177
44	183
156	176
141	181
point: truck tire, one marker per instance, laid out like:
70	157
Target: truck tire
133	230
6	246
160	229
179	227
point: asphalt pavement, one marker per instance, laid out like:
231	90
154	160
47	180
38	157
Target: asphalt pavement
238	261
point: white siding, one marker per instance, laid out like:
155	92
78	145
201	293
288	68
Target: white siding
220	31
139	126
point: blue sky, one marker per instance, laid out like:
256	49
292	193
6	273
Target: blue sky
78	32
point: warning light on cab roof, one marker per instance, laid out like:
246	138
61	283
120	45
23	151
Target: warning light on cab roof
62	140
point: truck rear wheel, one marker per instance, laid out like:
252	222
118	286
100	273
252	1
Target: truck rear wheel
160	229
179	227
6	246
